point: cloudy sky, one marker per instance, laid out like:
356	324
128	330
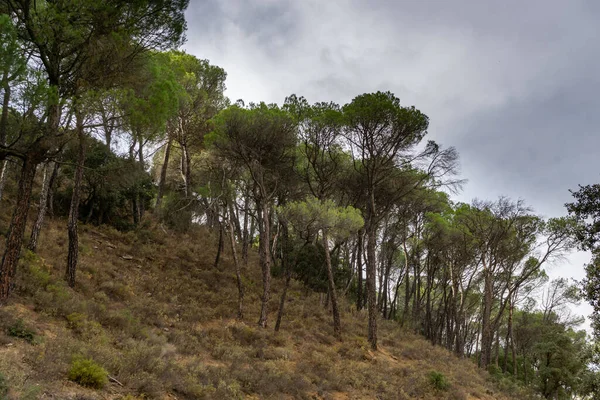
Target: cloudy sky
513	85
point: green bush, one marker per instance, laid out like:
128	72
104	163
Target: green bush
86	372
438	380
19	330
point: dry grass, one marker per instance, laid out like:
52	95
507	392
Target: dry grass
150	308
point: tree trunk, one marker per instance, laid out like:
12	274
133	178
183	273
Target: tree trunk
511	337
497	348
3	131
163	173
337	325
3	176
371	272
14	238
39	221
219	246
406	285
245	233
359	270
72	228
287	269
265	261
486	326
238	274
233	211
50	204
141	209
477	346
188	172
288	277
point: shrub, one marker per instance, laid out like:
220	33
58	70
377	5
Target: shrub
438	380
86	372
19	330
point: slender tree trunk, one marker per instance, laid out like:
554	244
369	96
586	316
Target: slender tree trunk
183	167
235	220
39	221
14	238
72	225
186	173
371	272
497	349
287	269
477	346
141	209
486	327
359	270
265	261
406	285
51	189
245	233
3	176
3	131
163	173
219	246
511	337
337	325
238	274
288	277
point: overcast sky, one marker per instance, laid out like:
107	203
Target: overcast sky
512	84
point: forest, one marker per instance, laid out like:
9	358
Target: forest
105	121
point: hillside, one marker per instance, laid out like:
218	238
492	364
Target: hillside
150	308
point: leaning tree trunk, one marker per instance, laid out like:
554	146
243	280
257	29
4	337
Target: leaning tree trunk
14	238
238	274
73	256
39	221
337	326
265	262
163	173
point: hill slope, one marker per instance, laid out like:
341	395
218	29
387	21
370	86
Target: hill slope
150	308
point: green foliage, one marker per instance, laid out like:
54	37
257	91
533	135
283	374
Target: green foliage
591	290
314	215
19	330
310	267
261	137
12	60
111	183
86	372
439	381
153	99
398	128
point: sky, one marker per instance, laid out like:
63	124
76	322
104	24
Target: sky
511	84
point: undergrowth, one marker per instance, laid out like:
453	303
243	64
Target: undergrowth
150	310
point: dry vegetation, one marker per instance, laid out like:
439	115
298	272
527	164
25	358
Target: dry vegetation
151	310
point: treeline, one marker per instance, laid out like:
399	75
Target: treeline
103	121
